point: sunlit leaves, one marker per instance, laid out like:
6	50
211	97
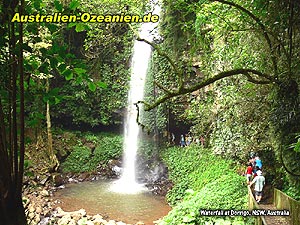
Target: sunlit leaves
80	70
68	74
74	4
92	86
80	27
101	84
296	145
58	5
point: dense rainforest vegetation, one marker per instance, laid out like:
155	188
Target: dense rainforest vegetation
224	70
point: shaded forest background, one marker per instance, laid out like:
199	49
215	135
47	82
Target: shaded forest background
224	70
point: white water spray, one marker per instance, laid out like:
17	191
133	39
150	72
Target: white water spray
140	60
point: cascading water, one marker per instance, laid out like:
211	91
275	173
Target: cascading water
124	199
140	60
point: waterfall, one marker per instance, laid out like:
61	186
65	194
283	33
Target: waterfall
140	60
139	66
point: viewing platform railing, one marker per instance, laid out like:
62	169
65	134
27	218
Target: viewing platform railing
283	201
252	204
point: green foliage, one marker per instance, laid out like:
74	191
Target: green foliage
83	159
106	49
240	120
98	94
108	148
57	51
147	148
78	160
286	116
296	146
192	168
203	181
90	137
156	119
95	103
293	191
226	192
234	116
177	26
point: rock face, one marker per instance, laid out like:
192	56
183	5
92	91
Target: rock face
154	173
60	217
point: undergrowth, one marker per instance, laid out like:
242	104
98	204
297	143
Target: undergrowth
85	159
203	181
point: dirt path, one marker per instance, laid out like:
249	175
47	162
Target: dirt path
274	220
268	206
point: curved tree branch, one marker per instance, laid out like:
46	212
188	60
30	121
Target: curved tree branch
161	87
168	58
260	24
181	91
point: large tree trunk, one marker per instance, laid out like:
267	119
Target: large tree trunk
12	146
11	207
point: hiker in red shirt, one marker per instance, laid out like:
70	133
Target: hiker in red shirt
249	173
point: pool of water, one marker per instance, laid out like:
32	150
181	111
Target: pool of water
97	198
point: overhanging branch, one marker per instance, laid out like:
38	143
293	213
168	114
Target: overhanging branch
162	87
267	79
182	89
167	57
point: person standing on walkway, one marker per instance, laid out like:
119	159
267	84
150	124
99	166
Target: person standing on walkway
182	141
189	140
258	162
259	181
202	140
248	173
173	138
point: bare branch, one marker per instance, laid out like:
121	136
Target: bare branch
246	72
252	80
163	54
161	87
177	72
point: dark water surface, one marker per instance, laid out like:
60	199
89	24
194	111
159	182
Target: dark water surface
96	198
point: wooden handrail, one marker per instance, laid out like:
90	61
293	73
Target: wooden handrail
283	201
252	204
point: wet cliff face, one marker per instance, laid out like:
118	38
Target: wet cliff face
154	173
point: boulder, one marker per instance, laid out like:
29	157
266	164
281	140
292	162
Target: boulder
140	223
58	180
111	222
64	220
45	193
120	223
84	221
98	220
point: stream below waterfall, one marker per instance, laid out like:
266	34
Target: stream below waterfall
97	198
